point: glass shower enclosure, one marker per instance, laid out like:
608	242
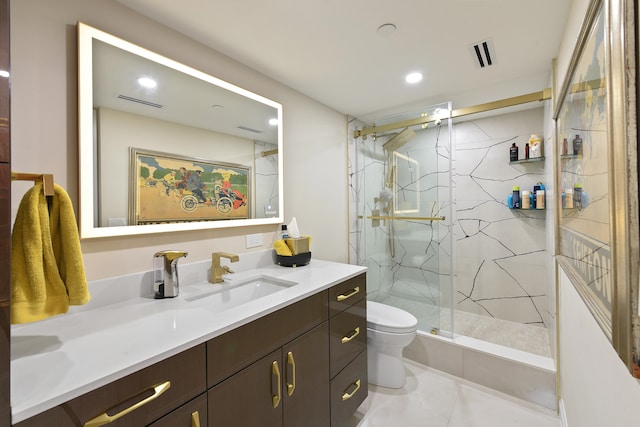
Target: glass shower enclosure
404	219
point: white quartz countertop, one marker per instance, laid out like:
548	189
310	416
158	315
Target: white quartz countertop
58	359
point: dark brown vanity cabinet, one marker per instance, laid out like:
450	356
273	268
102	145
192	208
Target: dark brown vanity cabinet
287	387
348	345
304	365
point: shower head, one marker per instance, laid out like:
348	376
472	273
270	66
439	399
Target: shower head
399	140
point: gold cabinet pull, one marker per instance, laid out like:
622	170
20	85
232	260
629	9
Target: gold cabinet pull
348	338
291	374
195	419
351	293
346	395
275	385
105	418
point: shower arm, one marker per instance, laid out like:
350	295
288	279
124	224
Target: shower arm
426	118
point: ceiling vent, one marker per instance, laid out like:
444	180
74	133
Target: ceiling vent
484	53
249	129
140	101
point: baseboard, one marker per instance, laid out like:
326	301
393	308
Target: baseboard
563	414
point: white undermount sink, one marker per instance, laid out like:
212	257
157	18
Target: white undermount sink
232	293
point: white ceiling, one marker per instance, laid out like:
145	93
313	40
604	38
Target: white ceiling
330	50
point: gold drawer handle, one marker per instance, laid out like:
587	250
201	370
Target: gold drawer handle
291	373
195	419
275	385
105	418
355	333
347	396
351	293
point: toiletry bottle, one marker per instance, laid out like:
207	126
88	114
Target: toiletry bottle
565	147
540	199
284	234
577	145
516	198
577	196
526	199
534	193
568	198
513	152
526	151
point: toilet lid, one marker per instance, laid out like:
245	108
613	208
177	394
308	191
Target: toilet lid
386	318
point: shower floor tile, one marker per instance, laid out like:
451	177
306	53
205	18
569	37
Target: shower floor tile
434	399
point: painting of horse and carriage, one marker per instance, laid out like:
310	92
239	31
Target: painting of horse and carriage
170	188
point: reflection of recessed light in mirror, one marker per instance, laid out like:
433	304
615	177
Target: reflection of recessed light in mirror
147	82
273	122
4	73
413	77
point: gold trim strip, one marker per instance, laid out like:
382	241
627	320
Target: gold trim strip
405	218
480	108
269	152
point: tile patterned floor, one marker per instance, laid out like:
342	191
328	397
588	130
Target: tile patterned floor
434	399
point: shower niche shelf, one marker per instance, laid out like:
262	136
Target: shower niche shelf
530	160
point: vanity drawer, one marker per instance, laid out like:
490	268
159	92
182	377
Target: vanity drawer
185	372
348	335
191	414
232	351
348	390
345	294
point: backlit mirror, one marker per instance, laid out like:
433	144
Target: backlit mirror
165	147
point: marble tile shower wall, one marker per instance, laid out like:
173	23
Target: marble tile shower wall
499	257
500	253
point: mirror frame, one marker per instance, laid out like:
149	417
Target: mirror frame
88	183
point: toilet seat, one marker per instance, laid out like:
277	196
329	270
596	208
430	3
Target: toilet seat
382	317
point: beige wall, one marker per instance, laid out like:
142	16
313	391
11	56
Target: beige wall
44	132
595	387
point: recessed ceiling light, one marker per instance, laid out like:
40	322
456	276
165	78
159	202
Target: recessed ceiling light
273	122
4	73
413	77
147	82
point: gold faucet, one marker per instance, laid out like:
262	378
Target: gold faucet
218	270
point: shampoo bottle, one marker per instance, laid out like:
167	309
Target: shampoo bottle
577	145
517	204
513	153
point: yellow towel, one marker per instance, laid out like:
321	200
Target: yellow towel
281	248
47	272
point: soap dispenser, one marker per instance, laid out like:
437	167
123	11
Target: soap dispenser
165	273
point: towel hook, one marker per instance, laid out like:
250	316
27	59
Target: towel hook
46	179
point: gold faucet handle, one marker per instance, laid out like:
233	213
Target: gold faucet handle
227	269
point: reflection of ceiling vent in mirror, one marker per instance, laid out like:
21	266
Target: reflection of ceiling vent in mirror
249	129
140	101
484	53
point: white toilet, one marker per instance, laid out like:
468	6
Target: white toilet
389	331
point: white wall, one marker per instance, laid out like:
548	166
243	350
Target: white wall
595	387
44	132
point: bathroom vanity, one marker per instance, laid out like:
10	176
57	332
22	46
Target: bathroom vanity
295	357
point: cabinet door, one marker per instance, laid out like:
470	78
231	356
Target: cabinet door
306	379
250	398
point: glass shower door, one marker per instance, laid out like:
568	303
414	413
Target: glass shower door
405	211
